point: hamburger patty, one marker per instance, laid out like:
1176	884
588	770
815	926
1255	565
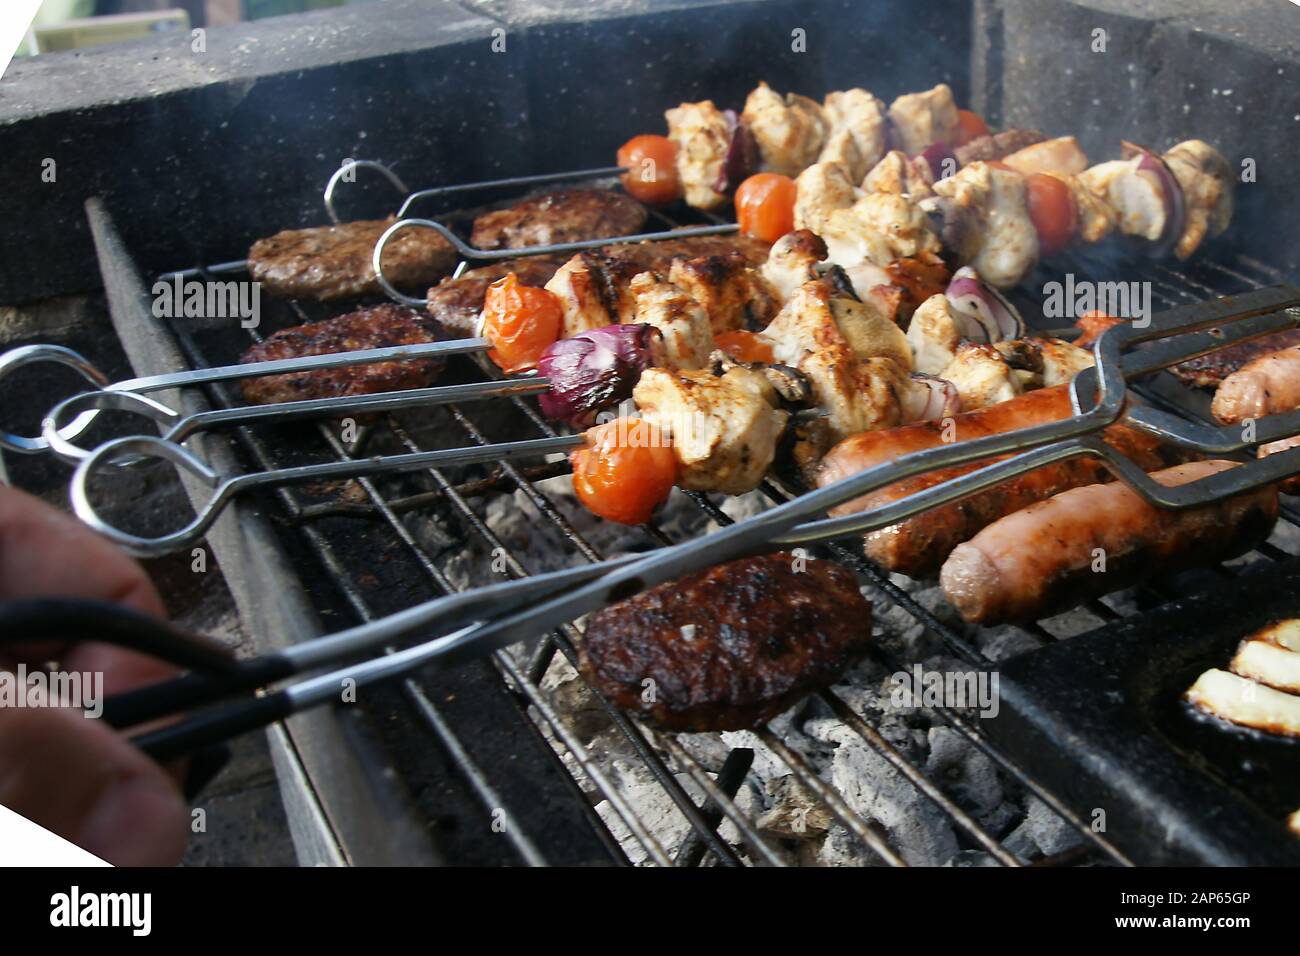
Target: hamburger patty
565	215
372	328
1208	371
730	647
333	262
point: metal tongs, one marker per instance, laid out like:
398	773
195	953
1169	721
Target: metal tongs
227	698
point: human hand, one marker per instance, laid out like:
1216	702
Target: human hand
71	774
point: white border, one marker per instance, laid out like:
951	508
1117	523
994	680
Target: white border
16	18
23	843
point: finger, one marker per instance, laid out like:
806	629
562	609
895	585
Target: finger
45	553
74	776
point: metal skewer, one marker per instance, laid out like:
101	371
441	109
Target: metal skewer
57	354
182	427
227	487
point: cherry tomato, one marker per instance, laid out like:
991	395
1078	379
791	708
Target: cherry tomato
652	169
1052	209
745	346
765	206
626	470
520	321
970	126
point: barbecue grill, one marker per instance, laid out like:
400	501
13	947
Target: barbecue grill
511	760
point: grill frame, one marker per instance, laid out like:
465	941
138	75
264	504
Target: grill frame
523	678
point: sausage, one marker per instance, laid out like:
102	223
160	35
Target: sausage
1289	486
918	546
1266	386
1045	557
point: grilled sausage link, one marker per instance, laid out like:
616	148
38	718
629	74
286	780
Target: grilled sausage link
1266	386
1046	557
1289	486
918	546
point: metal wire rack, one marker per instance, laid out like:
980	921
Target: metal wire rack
393	507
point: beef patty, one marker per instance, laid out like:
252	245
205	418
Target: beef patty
372	328
730	647
564	215
333	262
1208	371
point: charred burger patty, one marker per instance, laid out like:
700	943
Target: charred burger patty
377	327
730	647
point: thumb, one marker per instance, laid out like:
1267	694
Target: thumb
77	777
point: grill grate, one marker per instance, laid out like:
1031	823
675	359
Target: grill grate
397	508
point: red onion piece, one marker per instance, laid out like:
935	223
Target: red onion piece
941	160
594	370
991	316
931	399
1170	192
742	159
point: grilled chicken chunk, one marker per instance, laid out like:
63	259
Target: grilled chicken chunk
793	261
875	231
896	173
724	428
923	118
730	647
856	361
1097	218
790	130
703	137
733	293
594	287
864	231
373	328
682	322
860	117
982	376
999	239
333	262
821	189
457	303
1043	558
588	299
841	150
1061	156
1134	194
938	329
987	374
564	215
1206	180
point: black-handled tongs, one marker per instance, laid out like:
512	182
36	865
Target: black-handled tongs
220	699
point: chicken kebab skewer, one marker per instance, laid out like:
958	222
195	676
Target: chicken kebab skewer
922	176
